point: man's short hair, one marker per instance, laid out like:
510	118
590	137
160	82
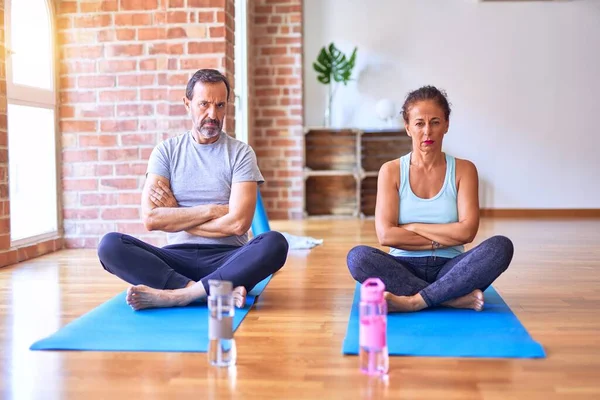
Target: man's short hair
206	76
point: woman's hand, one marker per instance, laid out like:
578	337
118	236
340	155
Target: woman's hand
463	231
408	227
386	212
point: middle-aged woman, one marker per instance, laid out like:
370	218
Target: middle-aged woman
427	210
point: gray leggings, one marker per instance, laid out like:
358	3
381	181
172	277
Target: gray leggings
437	279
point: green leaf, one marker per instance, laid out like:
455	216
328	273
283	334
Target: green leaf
333	50
337	76
324	58
332	64
320	68
352	59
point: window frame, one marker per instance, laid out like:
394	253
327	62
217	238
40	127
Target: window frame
242	95
39	98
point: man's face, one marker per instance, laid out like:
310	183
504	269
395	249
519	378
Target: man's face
207	109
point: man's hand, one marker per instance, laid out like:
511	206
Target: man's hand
162	196
238	219
161	212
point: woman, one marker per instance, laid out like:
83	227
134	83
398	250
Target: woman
427	210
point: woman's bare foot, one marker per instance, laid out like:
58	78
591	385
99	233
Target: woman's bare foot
239	296
404	303
473	300
141	296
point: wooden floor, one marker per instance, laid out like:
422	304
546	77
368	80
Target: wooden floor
290	345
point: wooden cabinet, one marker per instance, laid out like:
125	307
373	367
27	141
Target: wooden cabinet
341	168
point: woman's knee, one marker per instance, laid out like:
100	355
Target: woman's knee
504	247
503	243
358	257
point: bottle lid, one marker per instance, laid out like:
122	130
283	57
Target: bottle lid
220	288
372	290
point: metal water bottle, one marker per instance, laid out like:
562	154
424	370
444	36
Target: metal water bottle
221	308
373	353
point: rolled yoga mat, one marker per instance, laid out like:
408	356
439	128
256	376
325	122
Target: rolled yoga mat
260	222
494	332
114	326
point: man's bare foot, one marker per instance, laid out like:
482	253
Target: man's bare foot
473	300
239	296
141	296
404	303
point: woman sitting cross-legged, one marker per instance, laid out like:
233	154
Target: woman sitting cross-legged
427	209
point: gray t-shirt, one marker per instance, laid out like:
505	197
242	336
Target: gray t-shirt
203	174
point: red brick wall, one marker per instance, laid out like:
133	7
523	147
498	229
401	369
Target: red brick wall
10	255
276	90
124	65
123	68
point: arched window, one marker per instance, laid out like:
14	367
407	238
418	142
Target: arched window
31	98
241	71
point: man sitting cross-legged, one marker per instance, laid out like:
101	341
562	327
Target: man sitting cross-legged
201	188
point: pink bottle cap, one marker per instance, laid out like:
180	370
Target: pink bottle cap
372	290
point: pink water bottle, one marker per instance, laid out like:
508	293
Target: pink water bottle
373	353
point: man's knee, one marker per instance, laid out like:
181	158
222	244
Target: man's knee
109	247
277	245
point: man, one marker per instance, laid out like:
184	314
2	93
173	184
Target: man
201	188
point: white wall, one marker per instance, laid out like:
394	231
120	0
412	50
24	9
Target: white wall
523	80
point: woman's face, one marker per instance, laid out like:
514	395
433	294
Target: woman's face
426	125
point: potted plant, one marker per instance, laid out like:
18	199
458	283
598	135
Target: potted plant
331	66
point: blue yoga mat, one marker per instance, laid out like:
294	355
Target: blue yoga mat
114	326
494	332
260	221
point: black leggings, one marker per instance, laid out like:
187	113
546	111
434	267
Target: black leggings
175	266
437	279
